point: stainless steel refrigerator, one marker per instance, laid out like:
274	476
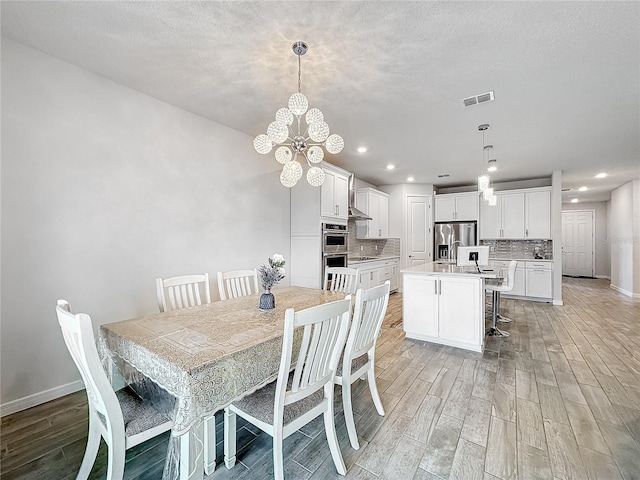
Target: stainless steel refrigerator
447	236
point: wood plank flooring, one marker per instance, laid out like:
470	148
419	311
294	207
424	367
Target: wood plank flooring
559	399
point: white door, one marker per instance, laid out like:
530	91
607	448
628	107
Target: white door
513	215
418	230
459	309
341	196
577	243
538	214
420	304
445	209
327	194
467	207
491	219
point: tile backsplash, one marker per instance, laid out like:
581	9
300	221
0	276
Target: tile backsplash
371	248
519	248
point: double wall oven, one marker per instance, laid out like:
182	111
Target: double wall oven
334	246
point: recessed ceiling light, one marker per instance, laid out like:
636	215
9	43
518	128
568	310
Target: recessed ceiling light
362	149
391	166
601	175
410	179
583	189
574	200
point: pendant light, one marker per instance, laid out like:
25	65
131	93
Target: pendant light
293	140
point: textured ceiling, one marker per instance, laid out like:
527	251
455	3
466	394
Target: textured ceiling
387	75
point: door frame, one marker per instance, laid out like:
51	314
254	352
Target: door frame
593	236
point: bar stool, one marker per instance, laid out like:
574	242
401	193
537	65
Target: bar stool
506	285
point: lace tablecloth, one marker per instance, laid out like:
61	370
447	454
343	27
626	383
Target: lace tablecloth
210	355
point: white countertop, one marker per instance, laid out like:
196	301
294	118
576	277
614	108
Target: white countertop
355	261
437	268
520	259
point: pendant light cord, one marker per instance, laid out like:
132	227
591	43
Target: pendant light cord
299	73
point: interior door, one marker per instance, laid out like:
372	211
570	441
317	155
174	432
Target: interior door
577	243
418	230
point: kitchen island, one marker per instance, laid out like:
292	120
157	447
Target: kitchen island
443	303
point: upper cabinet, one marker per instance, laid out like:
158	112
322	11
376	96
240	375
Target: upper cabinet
334	195
538	214
517	215
310	206
456	207
375	204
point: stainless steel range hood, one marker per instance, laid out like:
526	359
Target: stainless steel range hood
353	211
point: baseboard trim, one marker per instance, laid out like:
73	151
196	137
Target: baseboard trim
625	292
604	276
39	398
558	303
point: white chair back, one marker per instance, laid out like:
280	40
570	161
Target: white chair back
77	332
368	315
325	329
184	291
510	278
237	283
343	279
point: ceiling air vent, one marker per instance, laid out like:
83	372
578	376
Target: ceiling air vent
483	97
443	175
566	189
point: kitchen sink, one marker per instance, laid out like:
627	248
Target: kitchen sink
360	259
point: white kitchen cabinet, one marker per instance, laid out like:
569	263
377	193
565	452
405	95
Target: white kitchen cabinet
539	279
420	306
444	309
505	219
375	204
520	214
334	195
456	207
369	278
538	214
374	273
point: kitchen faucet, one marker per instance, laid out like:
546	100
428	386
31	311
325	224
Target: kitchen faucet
453	244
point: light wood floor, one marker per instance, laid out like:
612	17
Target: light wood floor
559	399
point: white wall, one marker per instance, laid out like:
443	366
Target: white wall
103	190
624	238
602	251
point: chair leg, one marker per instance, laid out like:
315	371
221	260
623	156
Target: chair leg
332	438
115	465
278	460
229	438
374	390
348	413
90	453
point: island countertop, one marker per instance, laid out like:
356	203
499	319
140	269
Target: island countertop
445	268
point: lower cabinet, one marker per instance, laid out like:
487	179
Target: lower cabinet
444	309
539	280
372	274
533	279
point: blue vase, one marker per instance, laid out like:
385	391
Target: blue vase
267	301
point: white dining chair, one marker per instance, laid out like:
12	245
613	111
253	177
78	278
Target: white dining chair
296	398
506	285
121	418
184	291
343	279
237	283
359	354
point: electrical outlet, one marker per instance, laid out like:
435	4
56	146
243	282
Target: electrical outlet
362	248
473	256
376	248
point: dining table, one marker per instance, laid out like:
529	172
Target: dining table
204	358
